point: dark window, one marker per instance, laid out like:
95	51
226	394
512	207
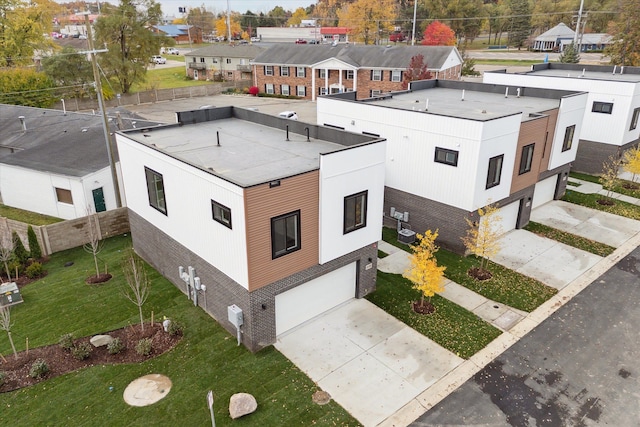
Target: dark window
568	137
202	60
355	212
634	119
228	60
64	196
221	213
495	170
448	157
348	74
284	71
268	70
155	189
526	159
285	234
602	107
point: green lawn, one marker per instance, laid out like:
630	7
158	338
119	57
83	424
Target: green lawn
591	201
506	286
168	78
579	242
207	358
451	326
27	216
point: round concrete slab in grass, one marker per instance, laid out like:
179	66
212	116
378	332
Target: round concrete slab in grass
147	390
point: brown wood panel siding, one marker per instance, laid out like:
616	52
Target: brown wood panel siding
263	203
531	132
551	130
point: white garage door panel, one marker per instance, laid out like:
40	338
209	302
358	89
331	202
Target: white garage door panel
509	216
544	191
306	301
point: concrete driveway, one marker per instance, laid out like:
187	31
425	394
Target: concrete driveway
369	362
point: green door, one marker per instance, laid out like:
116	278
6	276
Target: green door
98	200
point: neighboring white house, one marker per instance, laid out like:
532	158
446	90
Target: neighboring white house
278	219
610	123
222	61
555	40
454	147
54	162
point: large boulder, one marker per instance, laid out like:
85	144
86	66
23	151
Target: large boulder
242	404
100	340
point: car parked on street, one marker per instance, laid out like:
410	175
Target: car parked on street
157	59
301	41
170	51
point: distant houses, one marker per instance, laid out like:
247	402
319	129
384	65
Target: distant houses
555	40
222	61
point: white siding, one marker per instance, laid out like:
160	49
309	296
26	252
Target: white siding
341	174
35	191
188	194
96	180
571	112
597	127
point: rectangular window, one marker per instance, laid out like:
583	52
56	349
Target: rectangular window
284	89
355	212
568	137
495	170
202	60
634	119
228	60
221	213
301	91
396	76
348	74
285	234
64	196
376	75
268	70
301	72
526	159
155	189
602	107
268	88
322	91
448	157
284	71
373	93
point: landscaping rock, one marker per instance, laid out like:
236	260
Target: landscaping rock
242	404
165	324
100	340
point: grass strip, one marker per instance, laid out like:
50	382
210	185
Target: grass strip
506	286
619	207
570	239
451	326
27	216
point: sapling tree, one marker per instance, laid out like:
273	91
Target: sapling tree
6	255
95	244
137	287
425	274
482	238
609	177
632	162
5	325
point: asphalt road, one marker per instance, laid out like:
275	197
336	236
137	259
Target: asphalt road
577	368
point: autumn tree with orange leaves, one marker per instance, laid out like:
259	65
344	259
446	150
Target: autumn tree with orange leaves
439	34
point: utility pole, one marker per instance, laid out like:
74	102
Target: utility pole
413	32
105	121
577	32
228	23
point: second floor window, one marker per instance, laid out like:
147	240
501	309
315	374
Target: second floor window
527	159
284	71
396	76
495	171
568	137
155	190
348	74
602	107
376	75
285	234
301	72
448	157
268	70
355	212
221	213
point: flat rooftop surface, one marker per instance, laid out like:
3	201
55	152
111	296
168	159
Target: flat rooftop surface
593	75
476	105
249	153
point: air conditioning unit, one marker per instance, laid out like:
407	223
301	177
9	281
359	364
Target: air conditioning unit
406	236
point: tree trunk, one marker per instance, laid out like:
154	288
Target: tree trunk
13	347
95	260
141	318
6	267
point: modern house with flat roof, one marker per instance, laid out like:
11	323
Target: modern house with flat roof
277	219
308	71
610	124
454	147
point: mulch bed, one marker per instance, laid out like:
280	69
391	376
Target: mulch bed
479	273
426	308
101	278
61	361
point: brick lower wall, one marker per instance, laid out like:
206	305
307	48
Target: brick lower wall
591	155
259	329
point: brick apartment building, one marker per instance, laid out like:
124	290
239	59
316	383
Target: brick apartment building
308	71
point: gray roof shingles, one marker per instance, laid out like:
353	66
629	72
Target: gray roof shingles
228	51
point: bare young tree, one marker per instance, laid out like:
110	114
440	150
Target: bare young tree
95	244
6	254
137	286
5	325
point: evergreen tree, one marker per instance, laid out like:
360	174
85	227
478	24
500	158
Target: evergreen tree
570	54
19	250
520	23
34	245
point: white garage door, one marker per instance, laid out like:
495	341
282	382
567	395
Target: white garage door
508	216
315	297
544	191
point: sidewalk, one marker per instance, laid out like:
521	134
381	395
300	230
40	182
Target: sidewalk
587	187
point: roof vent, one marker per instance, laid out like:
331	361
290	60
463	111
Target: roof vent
23	123
84	129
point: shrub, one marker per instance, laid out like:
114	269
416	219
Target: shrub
19	251
115	346
34	246
144	346
34	270
253	90
16	265
38	369
66	341
81	351
175	328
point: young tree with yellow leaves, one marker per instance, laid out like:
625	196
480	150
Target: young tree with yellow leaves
632	162
425	274
297	17
609	177
368	18
221	25
482	238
